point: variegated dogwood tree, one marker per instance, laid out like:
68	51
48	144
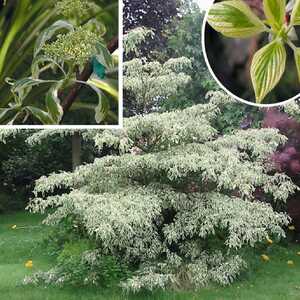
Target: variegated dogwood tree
175	200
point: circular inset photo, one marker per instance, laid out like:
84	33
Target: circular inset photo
252	49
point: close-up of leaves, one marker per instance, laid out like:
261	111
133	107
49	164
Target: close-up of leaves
236	19
59	62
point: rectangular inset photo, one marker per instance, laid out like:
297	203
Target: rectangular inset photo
59	63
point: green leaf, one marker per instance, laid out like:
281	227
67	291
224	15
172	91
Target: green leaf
297	60
8	115
103	56
267	68
234	19
275	12
295	16
48	33
53	104
17	21
41	115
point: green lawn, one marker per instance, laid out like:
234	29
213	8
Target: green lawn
272	280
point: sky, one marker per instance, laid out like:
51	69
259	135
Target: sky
204	4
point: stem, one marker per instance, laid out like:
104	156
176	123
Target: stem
290	43
49	66
71	68
280	32
269	30
76	150
289	28
113	116
45	68
83	76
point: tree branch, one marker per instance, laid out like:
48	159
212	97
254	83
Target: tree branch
83	76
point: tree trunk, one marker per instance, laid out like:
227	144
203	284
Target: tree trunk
76	150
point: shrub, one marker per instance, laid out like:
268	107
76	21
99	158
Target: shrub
80	264
236	115
179	201
4	201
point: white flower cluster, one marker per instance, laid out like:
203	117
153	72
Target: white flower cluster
69	8
76	46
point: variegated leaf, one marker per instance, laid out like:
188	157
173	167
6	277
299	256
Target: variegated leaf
275	12
295	16
53	105
297	61
234	19
43	116
267	68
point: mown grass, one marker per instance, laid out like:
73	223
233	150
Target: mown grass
274	280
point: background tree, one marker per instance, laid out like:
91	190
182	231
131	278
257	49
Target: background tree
152	14
26	155
287	157
184	39
150	87
147	83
